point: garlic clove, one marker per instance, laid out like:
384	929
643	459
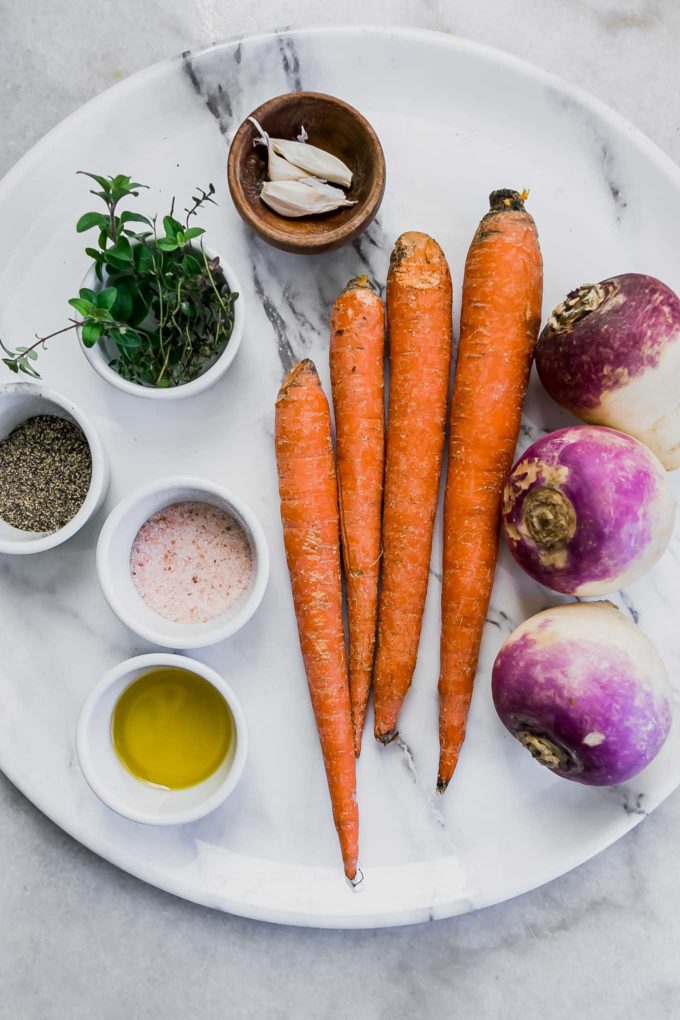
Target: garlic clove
309	158
317	162
329	190
306	197
279	169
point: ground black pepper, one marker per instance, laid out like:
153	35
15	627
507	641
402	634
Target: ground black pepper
45	472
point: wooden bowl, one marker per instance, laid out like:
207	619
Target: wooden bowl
331	125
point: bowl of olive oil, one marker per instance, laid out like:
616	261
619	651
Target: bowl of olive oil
162	739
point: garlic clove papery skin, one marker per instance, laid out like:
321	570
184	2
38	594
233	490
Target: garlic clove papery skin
306	197
317	162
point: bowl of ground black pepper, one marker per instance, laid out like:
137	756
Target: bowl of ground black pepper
53	471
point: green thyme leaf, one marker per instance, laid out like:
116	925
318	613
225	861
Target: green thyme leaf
106	298
91	333
91	219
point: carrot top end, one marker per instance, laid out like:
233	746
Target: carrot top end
419	259
505	199
359	283
409	244
293	378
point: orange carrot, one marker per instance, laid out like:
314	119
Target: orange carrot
356	360
309	515
500	318
419	326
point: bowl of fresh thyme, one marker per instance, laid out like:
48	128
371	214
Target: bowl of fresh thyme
181	365
54	474
158	313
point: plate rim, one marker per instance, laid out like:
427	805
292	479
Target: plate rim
175	884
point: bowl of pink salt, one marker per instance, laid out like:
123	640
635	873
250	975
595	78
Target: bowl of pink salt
183	562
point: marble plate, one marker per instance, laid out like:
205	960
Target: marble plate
456	120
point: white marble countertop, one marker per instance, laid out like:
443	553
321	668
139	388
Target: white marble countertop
78	938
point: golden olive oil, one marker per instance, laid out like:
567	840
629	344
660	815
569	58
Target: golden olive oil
172	728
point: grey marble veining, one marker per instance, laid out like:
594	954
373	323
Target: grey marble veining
77	937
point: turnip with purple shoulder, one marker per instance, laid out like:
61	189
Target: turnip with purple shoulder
583	689
587	510
610	354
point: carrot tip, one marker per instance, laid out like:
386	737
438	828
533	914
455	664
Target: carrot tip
441	785
387	738
357	881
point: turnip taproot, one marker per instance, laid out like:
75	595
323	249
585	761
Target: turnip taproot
610	354
584	690
587	510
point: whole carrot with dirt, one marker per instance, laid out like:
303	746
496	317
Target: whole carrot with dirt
309	516
357	380
419	326
500	319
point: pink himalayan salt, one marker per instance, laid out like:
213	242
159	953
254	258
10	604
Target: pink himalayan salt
191	562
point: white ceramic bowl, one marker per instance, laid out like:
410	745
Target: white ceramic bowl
113	562
22	400
118	788
99	358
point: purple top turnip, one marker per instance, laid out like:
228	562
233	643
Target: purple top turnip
610	354
587	510
584	690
